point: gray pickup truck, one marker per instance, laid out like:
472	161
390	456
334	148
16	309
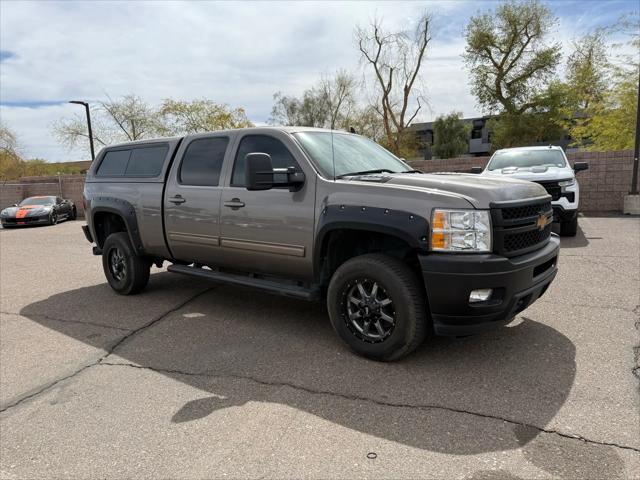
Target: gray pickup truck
398	255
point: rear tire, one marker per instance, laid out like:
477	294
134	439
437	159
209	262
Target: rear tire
126	272
570	228
365	293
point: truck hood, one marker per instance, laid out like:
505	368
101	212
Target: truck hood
478	190
533	174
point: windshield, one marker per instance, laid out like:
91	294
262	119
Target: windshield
38	201
352	154
526	159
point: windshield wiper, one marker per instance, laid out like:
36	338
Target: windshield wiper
366	172
412	171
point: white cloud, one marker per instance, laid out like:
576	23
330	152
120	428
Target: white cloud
237	53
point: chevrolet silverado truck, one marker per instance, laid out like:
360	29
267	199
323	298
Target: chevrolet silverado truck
549	167
397	254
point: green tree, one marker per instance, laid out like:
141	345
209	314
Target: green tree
510	61
11	164
611	123
544	123
177	117
366	122
311	110
328	104
588	70
450	136
38	166
609	120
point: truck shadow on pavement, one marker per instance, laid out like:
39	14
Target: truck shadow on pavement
465	396
579	241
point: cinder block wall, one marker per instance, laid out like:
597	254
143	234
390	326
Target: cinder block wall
602	187
10	194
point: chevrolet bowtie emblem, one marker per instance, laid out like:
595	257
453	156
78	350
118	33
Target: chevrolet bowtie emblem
542	221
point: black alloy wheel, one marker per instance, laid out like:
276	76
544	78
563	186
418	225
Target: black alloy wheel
369	311
117	264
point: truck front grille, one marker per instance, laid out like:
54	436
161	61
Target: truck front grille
524	211
518	226
552	189
514	242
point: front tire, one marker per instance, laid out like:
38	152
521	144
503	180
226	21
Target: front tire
570	228
377	306
74	214
126	272
53	218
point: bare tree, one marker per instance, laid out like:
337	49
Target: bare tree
396	59
132	117
125	119
338	93
73	131
328	104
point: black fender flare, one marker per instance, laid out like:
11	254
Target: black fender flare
123	209
407	226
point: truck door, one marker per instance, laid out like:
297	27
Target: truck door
269	231
192	199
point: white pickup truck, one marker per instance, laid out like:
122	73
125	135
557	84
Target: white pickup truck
549	167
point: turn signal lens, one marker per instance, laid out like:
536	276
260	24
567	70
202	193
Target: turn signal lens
437	240
438	222
461	231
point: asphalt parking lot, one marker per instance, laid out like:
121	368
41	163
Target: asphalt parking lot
197	380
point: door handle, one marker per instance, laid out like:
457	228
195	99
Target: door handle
177	199
234	203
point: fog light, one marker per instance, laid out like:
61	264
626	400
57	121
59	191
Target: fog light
480	295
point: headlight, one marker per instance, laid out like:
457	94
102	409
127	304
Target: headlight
460	231
567	183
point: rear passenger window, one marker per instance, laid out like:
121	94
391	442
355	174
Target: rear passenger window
114	163
134	162
146	161
202	162
280	156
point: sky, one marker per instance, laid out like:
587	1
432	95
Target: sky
238	53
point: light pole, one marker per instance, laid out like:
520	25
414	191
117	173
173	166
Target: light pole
631	203
86	107
636	152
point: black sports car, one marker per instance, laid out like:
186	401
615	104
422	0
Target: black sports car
45	210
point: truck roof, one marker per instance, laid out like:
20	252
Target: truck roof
548	147
249	129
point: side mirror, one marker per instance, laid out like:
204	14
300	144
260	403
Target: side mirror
15	205
258	171
259	174
476	169
579	166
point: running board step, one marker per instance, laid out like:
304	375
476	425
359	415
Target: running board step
259	283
